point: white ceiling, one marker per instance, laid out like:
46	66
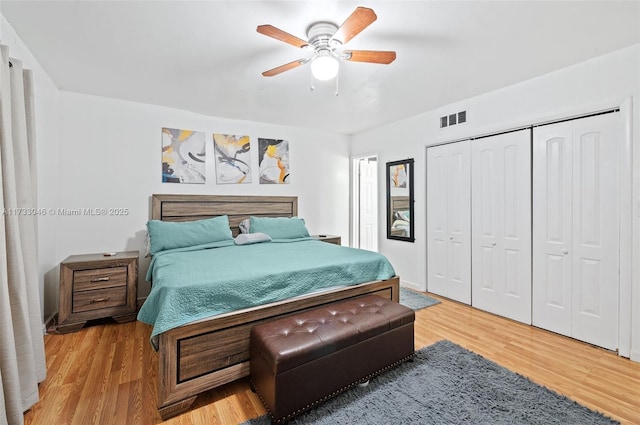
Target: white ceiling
206	56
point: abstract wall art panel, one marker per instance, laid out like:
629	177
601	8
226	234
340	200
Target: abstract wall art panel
273	157
232	158
183	156
398	175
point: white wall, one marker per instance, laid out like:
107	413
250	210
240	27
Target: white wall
110	157
46	104
589	86
96	152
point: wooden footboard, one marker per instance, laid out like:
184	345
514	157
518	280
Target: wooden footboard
208	353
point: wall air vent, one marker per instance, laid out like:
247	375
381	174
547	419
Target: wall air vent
453	119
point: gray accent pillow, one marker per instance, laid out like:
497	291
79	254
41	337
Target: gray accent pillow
245	226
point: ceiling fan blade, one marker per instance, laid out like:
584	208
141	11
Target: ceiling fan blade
361	18
278	34
371	56
282	68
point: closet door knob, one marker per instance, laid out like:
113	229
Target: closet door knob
565	252
451	237
493	244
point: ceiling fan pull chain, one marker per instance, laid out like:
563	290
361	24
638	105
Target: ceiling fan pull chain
312	88
337	76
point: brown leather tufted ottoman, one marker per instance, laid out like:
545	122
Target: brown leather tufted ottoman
301	360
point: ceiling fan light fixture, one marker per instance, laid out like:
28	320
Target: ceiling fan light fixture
325	40
325	67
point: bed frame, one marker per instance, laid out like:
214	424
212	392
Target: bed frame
211	352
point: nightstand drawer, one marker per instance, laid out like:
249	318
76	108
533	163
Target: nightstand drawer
86	280
99	298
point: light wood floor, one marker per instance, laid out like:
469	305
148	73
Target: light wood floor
106	374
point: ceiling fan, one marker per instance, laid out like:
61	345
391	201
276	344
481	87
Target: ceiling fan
325	40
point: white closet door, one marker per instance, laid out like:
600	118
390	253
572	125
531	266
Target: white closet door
596	230
501	224
576	229
448	221
552	217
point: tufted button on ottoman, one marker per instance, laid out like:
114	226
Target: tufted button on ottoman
303	359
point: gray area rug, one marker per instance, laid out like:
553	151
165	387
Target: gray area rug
416	300
447	384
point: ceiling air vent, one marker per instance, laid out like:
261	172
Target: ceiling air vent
453	119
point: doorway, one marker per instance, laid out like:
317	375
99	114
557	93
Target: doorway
365	202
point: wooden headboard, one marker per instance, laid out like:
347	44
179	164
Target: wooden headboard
399	203
198	207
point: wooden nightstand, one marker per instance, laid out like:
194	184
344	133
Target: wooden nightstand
95	286
337	240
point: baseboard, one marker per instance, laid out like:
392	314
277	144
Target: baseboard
635	356
411	285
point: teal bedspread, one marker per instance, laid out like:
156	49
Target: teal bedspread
193	283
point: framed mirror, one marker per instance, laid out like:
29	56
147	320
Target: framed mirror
400	200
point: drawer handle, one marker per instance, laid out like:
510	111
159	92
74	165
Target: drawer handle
101	279
100	300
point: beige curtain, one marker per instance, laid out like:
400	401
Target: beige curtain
22	361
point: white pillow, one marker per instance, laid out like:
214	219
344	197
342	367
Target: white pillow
249	238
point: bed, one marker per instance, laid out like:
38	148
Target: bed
211	351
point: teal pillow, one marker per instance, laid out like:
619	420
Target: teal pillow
166	235
279	227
